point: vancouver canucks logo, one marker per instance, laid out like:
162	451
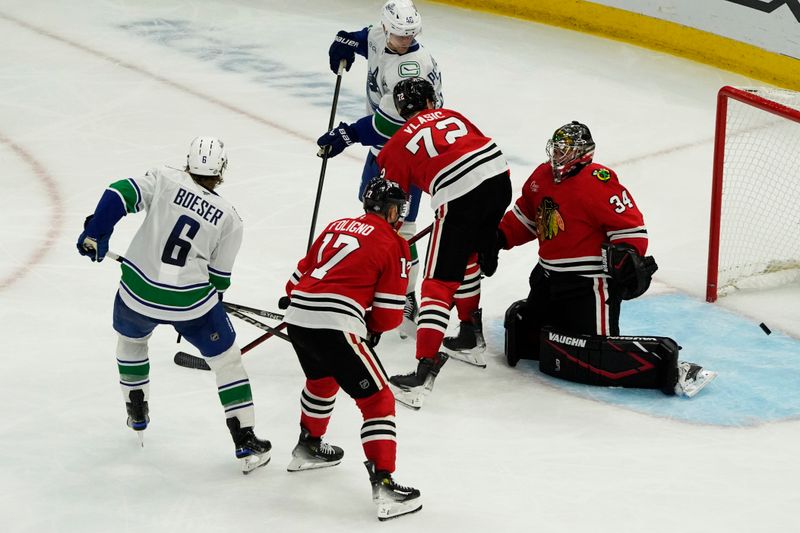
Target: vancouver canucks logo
372	81
548	220
409	69
603	174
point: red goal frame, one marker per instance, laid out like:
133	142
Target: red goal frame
764	104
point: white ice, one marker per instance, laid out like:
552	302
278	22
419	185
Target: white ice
97	90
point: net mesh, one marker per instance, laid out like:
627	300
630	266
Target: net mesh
760	210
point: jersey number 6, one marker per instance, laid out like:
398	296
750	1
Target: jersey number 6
177	248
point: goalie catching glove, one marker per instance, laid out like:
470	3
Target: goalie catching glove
630	271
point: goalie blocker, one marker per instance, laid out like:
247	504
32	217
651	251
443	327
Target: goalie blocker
621	361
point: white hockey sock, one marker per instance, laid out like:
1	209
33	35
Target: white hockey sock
233	385
133	365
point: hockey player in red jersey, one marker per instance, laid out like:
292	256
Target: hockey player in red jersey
467	177
346	291
592	244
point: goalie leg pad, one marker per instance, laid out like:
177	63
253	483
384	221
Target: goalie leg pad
519	343
622	361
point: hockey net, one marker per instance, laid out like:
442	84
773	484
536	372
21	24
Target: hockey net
754	240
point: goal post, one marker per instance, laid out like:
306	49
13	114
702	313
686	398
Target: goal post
754	237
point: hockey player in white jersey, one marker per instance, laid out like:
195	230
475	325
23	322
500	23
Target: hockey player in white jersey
392	54
174	272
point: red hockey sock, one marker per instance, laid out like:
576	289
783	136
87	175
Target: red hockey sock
316	405
378	435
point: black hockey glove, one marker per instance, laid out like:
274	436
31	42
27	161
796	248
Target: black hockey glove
95	247
372	339
335	141
488	259
283	302
343	47
631	272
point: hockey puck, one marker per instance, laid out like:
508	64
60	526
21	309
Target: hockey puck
765	328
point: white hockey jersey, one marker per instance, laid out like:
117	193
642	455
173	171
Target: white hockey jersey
184	251
386	69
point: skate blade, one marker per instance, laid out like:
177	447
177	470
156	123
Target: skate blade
472	357
412	399
390	510
251	462
408	328
298	464
699	384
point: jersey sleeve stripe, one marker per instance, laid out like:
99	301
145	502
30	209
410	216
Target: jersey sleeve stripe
529	224
218	273
130	193
221	283
631	233
385	125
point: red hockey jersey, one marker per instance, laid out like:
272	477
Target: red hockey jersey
442	153
355	264
573	218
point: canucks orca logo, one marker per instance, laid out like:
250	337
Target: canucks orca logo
372	81
548	220
603	174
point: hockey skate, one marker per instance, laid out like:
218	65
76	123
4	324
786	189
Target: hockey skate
392	500
692	378
138	414
252	451
411	389
469	344
312	453
408	328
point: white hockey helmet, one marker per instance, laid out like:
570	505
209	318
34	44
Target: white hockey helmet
400	17
206	157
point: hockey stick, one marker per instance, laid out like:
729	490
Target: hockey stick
187	360
420	235
247	309
191	361
258	324
342	63
267	335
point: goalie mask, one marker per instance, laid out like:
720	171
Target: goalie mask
412	95
570	149
381	193
206	157
400	17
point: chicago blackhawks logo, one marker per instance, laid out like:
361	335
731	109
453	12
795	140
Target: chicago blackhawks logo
603	174
548	220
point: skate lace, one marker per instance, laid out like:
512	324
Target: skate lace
325	448
389	482
410	307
